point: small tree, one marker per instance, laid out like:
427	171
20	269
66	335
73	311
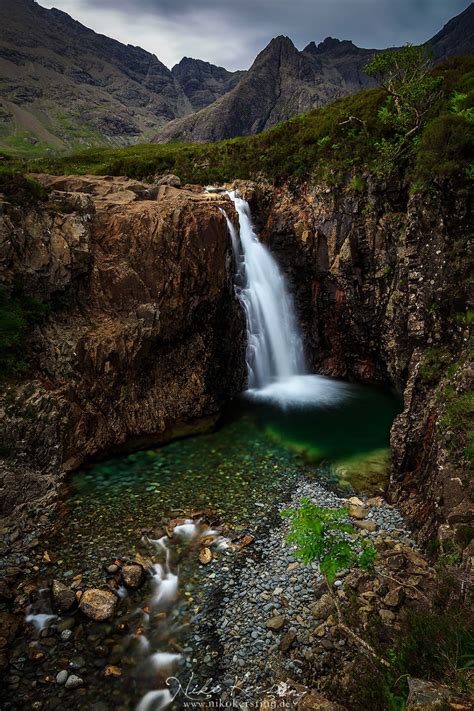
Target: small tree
406	76
325	535
412	90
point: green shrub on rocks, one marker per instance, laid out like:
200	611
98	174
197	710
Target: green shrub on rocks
325	535
18	315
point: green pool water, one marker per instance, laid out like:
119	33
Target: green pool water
251	459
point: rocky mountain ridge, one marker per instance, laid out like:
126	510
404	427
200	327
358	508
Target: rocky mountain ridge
284	82
65	86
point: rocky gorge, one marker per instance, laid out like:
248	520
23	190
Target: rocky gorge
144	341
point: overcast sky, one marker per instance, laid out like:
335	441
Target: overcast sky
230	33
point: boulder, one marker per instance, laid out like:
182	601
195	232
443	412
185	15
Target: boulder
323	608
358	512
98	604
133	575
394	598
275	623
63	597
171	180
287	640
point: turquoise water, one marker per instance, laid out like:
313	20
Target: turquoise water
240	474
251	459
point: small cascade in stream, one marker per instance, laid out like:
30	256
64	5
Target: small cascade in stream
274	344
275	355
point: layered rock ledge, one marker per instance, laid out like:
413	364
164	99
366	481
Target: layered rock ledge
145	335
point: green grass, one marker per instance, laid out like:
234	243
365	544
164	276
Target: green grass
322	144
435	643
23	144
457	417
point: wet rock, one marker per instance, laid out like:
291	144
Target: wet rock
275	623
98	604
63	597
133	575
62	677
323	607
9	625
429	696
205	556
73	682
66	635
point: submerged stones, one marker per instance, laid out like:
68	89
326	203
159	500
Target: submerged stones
133	575
63	597
98	604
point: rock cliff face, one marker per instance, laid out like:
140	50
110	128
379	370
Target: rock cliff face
150	337
203	82
381	281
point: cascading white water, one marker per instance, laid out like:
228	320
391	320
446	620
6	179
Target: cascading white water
275	355
274	344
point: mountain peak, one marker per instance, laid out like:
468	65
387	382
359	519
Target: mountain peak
329	45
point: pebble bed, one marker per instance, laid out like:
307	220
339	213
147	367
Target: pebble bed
271	581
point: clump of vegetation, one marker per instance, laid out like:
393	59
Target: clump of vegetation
18	316
324	535
457	417
19	189
434	643
433	363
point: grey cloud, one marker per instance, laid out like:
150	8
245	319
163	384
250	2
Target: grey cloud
232	33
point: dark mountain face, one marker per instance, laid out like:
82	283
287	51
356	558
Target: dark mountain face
67	85
202	82
281	83
284	82
457	36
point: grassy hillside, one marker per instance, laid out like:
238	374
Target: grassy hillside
323	143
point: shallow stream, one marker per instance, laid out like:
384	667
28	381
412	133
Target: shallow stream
234	479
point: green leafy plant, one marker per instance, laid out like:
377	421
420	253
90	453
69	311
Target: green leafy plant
458	106
18	316
325	535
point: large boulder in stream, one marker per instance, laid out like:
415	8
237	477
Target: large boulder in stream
98	604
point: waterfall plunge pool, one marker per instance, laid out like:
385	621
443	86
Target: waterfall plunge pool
257	451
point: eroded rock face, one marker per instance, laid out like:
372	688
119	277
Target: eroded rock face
151	337
379	278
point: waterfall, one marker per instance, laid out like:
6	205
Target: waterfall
274	344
